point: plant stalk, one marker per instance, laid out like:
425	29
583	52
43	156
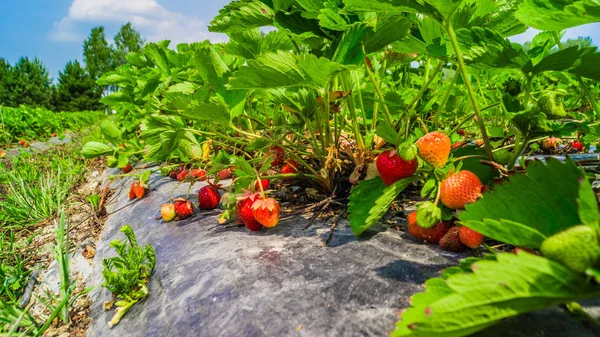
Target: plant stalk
463	69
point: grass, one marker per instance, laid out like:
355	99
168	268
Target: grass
35	189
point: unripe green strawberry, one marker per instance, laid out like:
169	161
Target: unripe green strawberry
434	148
551	104
112	161
576	248
164	171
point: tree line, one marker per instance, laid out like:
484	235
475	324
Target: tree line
28	82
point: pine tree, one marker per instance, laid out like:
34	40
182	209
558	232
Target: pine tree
76	89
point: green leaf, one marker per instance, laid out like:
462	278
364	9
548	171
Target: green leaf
588	205
184	87
350	49
485	48
330	18
210	65
96	149
387	132
428	187
215	110
544	199
115	98
111	132
370	200
281	69
497	288
239	16
123	160
438	9
555	15
389	29
155	52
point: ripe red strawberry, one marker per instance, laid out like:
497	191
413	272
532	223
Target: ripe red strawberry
244	213
290	167
54	135
25	144
131	192
127	168
167	211
434	148
21	142
224	174
432	235
393	168
462	132
577	146
451	241
263	182
138	190
266	211
208	197
2	153
470	238
459	189
182	175
276	153
183	208
198	174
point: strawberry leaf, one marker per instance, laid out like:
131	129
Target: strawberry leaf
96	149
495	289
370	200
281	69
239	16
588	205
530	206
555	15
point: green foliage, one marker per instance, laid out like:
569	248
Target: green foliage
554	15
127	40
491	289
97	53
127	274
24	122
76	90
370	200
26	83
530	207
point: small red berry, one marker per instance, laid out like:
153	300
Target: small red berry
392	167
208	197
183	208
127	168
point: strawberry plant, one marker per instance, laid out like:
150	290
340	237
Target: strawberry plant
127	275
362	100
480	292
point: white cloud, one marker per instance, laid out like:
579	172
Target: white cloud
151	19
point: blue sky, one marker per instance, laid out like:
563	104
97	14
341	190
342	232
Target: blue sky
54	30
